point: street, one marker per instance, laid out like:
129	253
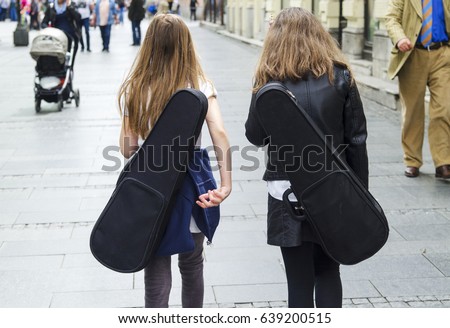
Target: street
55	180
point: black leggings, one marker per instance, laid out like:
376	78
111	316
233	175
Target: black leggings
309	270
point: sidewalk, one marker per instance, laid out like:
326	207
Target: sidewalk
53	188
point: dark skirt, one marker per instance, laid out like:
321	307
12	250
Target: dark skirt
285	230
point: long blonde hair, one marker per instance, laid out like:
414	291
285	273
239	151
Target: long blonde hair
165	63
297	44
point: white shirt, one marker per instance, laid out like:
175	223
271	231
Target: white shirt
277	188
83	8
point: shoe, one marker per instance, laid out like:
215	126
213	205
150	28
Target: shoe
89	50
412	172
443	172
82	49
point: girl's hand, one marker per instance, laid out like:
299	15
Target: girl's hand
213	197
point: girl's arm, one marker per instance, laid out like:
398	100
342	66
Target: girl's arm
222	148
128	140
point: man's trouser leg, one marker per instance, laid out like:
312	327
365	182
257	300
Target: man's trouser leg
439	86
412	80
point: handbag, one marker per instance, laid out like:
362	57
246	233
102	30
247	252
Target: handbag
130	228
347	220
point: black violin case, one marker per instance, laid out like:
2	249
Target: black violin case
129	229
346	218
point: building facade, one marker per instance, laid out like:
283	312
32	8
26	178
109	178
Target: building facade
358	25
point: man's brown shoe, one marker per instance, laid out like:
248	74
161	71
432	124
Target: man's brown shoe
443	172
412	172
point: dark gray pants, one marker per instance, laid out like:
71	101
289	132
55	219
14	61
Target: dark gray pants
158	278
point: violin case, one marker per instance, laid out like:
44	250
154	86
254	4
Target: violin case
132	224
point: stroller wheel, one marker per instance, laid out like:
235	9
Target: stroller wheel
77	97
60	105
37	105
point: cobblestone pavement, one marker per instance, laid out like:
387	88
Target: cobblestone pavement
55	180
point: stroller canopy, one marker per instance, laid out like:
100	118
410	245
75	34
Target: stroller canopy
50	42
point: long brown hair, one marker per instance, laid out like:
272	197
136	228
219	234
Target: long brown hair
165	63
297	44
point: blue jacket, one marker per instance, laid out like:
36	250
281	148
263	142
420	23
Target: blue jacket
177	237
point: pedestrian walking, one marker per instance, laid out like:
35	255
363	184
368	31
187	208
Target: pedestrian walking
34	15
4	6
136	13
121	5
301	53
421	58
63	15
165	63
85	8
105	14
193	7
13	11
163	7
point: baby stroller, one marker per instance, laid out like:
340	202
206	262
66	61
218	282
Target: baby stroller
54	69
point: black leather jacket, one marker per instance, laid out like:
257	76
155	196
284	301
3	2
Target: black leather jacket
337	110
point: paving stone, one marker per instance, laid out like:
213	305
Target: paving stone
80	261
36	232
244	272
427	298
359	289
411	287
99	299
381	305
358	306
425	232
391	267
278	304
210	306
441	261
227	305
237	239
399	304
44	247
377	300
175	296
433	304
346	301
360	301
58	216
391	299
417	304
244	305
230	255
443	297
416	218
31	263
8	217
415	247
250	293
261	304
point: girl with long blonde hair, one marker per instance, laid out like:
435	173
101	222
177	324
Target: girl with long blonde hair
166	62
299	52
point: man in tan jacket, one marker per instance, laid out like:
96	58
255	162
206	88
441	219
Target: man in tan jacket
419	30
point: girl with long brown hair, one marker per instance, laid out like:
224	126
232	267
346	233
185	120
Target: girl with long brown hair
299	52
166	62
